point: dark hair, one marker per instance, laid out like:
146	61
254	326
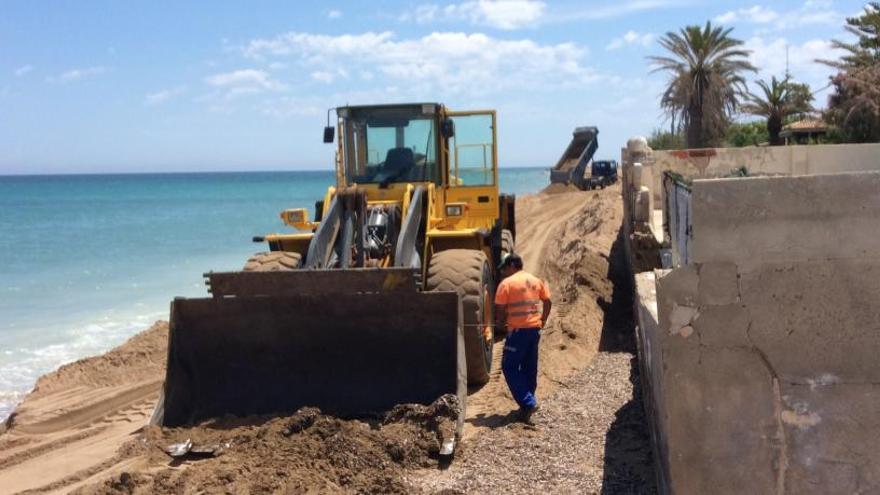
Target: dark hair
513	260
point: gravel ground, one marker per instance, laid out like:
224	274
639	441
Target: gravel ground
590	437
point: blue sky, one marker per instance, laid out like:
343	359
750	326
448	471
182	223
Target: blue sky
93	87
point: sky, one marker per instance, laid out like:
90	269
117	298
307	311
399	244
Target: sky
155	86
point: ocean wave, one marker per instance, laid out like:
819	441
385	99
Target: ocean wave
21	367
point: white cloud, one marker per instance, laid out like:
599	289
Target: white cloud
769	56
449	61
23	70
422	14
629	39
328	76
756	14
615	9
245	81
334	14
289	106
77	74
812	12
163	95
500	14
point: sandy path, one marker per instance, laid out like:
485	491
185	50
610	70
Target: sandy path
591	434
68	432
564	238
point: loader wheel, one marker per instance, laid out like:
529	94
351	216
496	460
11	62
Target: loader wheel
506	242
273	261
467	271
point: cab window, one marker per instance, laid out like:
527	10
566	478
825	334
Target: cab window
390	145
472	151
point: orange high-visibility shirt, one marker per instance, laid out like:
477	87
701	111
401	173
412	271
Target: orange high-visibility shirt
523	294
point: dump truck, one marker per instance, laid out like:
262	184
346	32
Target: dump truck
571	167
602	173
383	296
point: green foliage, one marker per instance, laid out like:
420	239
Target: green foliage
854	107
665	140
747	134
681	179
737	172
705	67
780	99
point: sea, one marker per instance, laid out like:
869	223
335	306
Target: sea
87	261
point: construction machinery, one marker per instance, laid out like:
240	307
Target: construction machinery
602	173
384	296
571	167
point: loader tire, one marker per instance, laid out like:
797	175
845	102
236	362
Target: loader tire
273	261
506	242
467	271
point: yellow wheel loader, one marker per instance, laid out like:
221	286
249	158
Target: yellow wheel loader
384	297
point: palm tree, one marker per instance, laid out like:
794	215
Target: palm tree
854	106
780	99
705	84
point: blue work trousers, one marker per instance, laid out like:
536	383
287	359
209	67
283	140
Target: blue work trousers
520	365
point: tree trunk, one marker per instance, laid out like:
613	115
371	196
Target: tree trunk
695	126
774	127
695	133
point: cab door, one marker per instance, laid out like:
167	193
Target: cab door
472	174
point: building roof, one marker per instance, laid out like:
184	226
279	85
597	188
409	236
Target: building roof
807	125
802	127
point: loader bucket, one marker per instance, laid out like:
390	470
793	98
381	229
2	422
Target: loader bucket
350	342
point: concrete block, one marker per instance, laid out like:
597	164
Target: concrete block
642	211
817	319
751	220
719	283
723	326
637	181
677	289
722	427
831	432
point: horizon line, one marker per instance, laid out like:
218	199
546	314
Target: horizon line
183	172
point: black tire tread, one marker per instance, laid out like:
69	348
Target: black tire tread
462	270
507	245
273	261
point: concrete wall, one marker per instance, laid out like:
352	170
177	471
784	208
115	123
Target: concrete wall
762	356
786	218
772	160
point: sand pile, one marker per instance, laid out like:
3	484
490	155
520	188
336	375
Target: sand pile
303	453
104	382
557	188
69	429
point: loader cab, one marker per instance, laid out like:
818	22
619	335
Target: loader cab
389	144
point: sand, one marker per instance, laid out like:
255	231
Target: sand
83	427
69	429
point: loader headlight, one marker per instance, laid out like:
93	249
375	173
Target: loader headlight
295	217
454	210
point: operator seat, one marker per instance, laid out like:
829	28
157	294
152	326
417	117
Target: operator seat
398	162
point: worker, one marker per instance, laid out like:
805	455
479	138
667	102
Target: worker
522	305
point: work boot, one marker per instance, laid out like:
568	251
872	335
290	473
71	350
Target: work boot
526	413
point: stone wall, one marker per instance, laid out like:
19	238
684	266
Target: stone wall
762	356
